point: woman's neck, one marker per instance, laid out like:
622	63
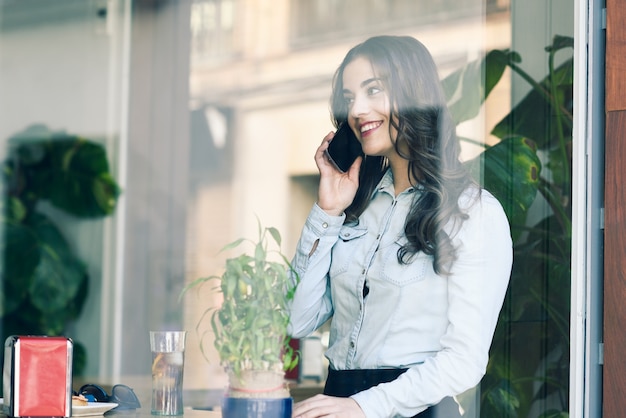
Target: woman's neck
400	171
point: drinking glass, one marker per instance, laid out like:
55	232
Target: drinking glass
168	358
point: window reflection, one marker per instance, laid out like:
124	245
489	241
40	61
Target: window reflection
318	20
212	24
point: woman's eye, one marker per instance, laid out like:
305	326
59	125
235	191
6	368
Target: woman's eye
373	90
348	100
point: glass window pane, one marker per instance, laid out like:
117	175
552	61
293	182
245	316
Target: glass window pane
209	113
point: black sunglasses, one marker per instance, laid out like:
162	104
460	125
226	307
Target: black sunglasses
122	395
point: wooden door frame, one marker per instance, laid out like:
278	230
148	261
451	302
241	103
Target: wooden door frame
614	372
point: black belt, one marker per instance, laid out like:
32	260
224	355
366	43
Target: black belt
345	383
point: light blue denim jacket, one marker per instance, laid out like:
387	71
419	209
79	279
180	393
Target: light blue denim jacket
438	327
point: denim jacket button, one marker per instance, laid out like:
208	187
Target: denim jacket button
325	225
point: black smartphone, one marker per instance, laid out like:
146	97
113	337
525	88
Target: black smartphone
344	148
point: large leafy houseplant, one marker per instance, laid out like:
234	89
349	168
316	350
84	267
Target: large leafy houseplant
44	282
528	369
250	326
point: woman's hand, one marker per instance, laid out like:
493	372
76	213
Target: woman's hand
337	190
328	406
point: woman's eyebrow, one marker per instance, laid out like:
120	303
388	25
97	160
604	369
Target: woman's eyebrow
364	83
369	81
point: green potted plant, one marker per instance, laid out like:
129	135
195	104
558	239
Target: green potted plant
529	358
250	326
44	283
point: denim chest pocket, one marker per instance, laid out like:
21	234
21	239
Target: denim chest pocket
345	248
402	274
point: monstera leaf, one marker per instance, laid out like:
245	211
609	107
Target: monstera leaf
44	283
69	171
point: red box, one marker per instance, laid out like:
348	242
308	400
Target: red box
37	380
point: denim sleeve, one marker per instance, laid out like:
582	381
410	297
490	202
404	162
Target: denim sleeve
476	290
312	304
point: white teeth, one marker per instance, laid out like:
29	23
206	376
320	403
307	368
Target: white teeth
370	126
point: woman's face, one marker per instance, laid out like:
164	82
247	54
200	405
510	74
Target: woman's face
368	108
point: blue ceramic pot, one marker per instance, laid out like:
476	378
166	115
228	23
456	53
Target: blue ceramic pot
256	408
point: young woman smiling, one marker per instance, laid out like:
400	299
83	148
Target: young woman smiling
407	255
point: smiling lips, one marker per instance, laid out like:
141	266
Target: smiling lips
369	126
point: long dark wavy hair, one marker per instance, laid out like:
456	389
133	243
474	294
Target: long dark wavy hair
426	137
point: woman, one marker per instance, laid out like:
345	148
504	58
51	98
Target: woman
405	253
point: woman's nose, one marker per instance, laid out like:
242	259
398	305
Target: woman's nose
359	107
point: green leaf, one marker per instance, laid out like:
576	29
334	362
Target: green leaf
233	244
21	255
467	88
504	399
15	210
105	192
59	274
275	234
560	42
535	118
510	170
82	184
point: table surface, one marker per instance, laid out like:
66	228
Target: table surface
145	412
199	403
